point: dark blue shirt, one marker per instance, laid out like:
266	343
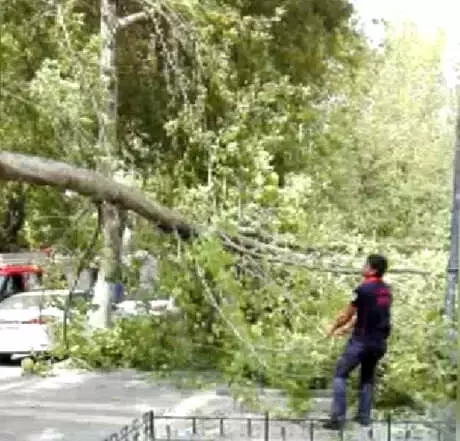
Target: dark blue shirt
373	300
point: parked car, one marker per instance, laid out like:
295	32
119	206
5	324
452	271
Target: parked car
148	307
18	278
25	319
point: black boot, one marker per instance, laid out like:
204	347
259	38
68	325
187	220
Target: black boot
334	424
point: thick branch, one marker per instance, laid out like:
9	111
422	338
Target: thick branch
41	171
124	22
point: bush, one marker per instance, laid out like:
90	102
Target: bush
148	343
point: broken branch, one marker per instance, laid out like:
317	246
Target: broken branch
46	172
41	171
124	22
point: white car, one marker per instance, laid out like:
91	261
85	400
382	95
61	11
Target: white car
148	307
24	320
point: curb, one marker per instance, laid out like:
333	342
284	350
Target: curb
276	393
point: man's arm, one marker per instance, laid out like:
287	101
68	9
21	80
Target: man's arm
344	318
347	327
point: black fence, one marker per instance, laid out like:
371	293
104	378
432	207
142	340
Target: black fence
153	427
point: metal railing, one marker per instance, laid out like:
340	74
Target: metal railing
152	427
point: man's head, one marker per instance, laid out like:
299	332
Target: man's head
376	265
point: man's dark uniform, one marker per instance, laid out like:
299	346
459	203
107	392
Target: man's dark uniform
366	346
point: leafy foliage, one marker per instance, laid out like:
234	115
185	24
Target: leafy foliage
270	117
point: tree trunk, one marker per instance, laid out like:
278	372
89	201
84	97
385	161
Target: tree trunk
112	219
110	268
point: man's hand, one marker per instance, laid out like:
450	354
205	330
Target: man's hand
342	331
343	324
330	330
346	329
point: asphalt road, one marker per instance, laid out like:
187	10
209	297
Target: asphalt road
82	406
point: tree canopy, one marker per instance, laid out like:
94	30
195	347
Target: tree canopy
271	122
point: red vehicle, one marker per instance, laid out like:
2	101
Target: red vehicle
19	278
17	274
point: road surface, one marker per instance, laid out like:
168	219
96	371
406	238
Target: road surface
84	406
80	406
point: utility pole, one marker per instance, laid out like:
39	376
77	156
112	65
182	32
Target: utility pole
452	285
452	268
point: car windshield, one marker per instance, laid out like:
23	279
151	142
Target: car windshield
28	301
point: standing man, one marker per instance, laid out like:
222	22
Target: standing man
369	315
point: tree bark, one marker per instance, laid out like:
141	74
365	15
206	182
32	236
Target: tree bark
42	171
112	219
110	270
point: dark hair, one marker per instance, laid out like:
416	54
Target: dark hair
378	263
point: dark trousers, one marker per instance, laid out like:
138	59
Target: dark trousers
367	355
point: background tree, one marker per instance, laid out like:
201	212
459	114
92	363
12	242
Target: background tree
302	156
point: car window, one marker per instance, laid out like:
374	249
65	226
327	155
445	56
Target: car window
13	285
9	287
24	301
21	302
32	281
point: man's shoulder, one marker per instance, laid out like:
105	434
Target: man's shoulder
372	286
365	286
380	283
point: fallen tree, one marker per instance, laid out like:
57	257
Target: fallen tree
46	172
